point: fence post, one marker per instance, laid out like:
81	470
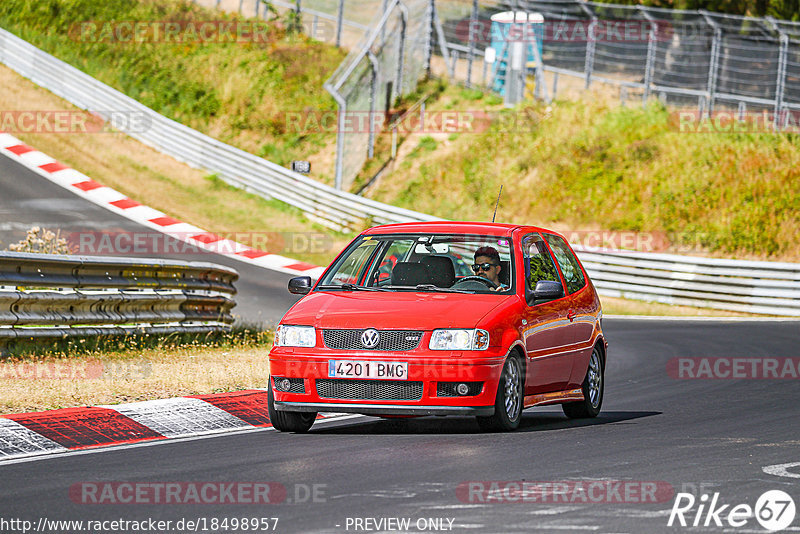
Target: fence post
651	56
384	3
437	24
780	85
485	66
401	45
373	94
429	37
555	85
339	20
713	67
588	65
473	21
342	105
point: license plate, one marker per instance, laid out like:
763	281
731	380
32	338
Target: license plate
368	369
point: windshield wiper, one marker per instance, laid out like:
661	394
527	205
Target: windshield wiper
430	287
352	287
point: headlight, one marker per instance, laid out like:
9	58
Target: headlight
460	339
295	336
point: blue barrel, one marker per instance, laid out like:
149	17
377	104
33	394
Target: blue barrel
509	27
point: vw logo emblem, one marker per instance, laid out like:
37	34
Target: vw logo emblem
370	338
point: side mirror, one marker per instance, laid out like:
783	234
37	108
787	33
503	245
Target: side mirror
545	290
300	285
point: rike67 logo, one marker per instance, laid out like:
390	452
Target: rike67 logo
774	510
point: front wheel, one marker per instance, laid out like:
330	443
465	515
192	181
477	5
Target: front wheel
509	399
298	422
592	391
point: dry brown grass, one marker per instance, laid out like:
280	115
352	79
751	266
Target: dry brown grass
617	306
30	385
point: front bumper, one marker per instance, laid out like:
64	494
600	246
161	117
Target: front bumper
383	409
425	368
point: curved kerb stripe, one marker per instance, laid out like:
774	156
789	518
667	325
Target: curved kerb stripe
113	200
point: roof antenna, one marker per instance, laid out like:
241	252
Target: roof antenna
498	202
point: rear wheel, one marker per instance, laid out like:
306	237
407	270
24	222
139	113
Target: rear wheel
592	391
508	401
298	422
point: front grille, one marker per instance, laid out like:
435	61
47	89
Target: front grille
369	389
390	340
448	389
296	385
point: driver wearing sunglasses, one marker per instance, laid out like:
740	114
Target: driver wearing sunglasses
487	265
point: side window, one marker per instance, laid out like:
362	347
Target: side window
538	262
570	268
353	265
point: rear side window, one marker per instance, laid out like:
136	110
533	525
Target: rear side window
570	268
538	262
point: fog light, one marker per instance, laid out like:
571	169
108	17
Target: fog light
462	389
283	384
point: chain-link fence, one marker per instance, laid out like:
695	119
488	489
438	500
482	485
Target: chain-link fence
389	62
686	58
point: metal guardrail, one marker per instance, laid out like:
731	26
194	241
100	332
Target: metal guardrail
59	296
760	287
323	204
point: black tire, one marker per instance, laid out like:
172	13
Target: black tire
298	422
592	388
509	399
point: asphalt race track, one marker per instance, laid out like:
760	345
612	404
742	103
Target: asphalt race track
27	199
699	436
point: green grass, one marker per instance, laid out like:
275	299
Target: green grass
590	164
236	92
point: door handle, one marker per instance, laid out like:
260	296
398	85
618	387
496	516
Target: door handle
571	315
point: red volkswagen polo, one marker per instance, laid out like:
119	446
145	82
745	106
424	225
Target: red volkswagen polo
441	318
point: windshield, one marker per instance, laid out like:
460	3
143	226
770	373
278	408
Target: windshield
424	262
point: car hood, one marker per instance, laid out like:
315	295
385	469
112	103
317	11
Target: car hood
396	310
